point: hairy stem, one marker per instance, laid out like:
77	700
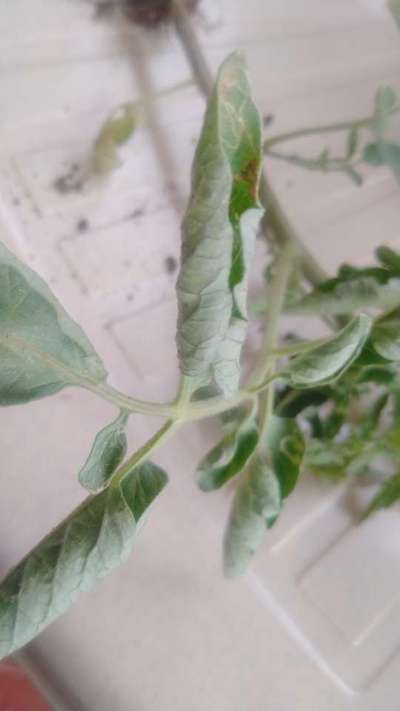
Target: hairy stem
298	347
322	128
333	165
275	297
365	122
177	410
267	359
144	452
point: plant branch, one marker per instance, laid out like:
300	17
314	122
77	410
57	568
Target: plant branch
177	410
332	165
191	46
365	122
143	453
276	297
265	369
322	128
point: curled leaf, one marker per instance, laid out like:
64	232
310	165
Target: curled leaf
97	537
389	258
256	506
327	362
347	296
116	131
332	459
42	350
386	339
218	232
286	449
229	456
108	451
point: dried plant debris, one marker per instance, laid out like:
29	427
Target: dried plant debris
104	9
117	130
70	181
152	13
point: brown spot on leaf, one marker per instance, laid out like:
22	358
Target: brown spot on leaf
249	175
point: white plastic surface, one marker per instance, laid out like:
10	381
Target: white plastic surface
316	623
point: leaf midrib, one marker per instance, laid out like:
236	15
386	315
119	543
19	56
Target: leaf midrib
43	356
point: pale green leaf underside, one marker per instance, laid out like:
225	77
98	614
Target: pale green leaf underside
326	362
108	451
350	296
41	348
386	339
218	232
96	538
256	506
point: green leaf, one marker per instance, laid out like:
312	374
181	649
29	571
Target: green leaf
292	402
229	456
218	232
388	494
384	153
385	100
332	459
286	448
116	131
108	451
256	506
350	295
327	362
42	350
389	259
386	339
372	155
394	8
352	142
97	537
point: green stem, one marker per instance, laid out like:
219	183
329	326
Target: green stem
131	404
298	347
150	98
333	165
265	369
143	453
322	128
276	298
176	411
264	416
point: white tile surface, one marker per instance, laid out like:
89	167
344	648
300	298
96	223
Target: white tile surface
315	624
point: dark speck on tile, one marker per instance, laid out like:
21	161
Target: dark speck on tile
268	119
139	212
82	225
170	264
